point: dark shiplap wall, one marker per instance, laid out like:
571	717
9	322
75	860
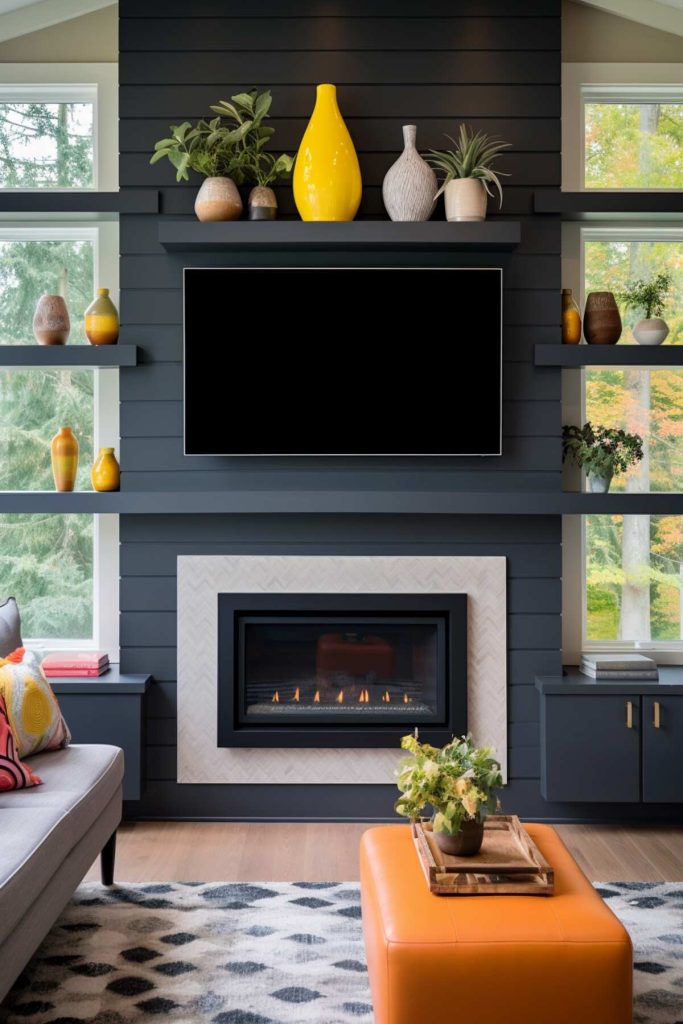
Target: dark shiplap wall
495	63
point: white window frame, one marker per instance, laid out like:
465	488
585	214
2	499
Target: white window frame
104	237
630	83
87	83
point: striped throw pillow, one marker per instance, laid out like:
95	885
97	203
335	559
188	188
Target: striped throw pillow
14	774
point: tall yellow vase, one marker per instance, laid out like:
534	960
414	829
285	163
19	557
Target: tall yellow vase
327	181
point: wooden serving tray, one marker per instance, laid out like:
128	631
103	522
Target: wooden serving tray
509	863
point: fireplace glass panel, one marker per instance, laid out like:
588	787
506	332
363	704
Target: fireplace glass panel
337	668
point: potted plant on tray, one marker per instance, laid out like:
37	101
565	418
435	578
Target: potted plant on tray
601	451
458	781
468	173
258	167
650	297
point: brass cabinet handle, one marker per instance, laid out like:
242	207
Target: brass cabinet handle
656	715
629	714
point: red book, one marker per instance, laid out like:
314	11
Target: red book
80	673
74	661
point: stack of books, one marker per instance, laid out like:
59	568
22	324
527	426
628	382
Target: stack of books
89	664
603	667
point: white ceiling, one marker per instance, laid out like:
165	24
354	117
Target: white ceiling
18	17
666	15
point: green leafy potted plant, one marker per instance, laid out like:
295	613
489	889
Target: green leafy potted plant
650	297
468	173
601	451
458	782
257	166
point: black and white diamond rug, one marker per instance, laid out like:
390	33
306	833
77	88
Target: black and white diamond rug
271	953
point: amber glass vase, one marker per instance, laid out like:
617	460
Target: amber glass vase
571	319
64	451
102	320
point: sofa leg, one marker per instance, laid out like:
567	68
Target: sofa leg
107	858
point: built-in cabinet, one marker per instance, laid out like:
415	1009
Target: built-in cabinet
611	742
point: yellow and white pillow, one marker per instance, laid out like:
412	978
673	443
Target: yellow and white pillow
32	708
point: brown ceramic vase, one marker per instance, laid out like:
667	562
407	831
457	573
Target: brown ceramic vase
51	324
601	320
467	843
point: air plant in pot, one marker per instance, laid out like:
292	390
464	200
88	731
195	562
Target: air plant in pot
602	452
458	782
258	167
650	297
468	173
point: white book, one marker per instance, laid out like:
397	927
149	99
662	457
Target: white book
615	662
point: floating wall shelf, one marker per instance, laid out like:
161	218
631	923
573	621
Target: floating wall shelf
68	355
190	235
341	502
610	205
130	200
608	355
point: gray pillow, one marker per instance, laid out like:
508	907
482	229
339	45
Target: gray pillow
10	627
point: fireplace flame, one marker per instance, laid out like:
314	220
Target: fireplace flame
296	695
340	697
386	698
406	699
275	698
316	698
364	697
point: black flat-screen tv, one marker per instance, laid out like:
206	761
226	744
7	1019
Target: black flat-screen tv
341	361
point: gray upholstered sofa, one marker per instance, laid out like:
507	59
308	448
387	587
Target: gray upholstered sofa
49	837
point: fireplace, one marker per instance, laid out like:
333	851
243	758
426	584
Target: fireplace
340	670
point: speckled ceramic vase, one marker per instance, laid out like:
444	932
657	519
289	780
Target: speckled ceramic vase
262	203
51	324
410	185
218	199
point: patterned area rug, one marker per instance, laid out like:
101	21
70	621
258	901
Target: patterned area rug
271	953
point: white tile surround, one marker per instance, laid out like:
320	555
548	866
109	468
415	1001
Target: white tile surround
202	578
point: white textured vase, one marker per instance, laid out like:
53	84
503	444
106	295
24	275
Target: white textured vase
409	187
465	199
218	199
651	332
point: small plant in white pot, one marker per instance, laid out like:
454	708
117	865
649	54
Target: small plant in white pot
468	173
458	782
650	297
602	452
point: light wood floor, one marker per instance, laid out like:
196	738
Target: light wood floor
218	851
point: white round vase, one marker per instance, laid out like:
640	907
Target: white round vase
651	332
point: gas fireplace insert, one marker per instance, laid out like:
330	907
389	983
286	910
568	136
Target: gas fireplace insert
340	670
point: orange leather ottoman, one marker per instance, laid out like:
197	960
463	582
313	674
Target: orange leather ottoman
562	959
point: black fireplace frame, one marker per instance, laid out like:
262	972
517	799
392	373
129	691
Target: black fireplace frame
324	732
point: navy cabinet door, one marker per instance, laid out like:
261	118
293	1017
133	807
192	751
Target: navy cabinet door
590	748
663	749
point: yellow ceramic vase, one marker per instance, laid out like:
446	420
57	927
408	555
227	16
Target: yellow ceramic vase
64	450
327	181
102	320
105	473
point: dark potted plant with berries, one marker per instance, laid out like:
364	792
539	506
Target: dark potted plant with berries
458	781
602	452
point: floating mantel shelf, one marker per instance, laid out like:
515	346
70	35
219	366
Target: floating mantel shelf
189	235
68	355
130	200
341	502
608	355
610	205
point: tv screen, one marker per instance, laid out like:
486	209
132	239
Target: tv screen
327	361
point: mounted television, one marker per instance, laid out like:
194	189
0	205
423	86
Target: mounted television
341	361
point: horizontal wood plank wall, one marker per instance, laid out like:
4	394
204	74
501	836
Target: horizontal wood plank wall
494	63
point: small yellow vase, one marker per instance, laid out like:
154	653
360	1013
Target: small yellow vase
102	320
327	181
64	451
105	473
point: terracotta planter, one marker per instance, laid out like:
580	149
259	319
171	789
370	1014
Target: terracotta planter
105	473
51	323
262	203
410	186
601	320
218	199
467	843
465	199
64	452
102	320
651	332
